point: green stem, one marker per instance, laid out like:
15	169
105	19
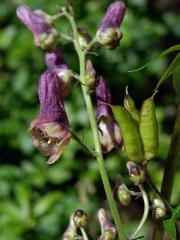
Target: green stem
94	127
86	148
145	214
170	170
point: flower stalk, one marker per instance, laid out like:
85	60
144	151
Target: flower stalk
145	214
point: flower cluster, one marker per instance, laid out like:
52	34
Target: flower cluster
50	130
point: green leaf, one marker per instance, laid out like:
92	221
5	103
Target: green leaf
176	212
170	228
171	69
167	51
45	204
176	81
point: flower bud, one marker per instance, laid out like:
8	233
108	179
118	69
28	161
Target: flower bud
137	173
91	75
45	36
50	130
84	38
123	195
80	218
109	131
108	33
55	62
108	230
158	208
71	231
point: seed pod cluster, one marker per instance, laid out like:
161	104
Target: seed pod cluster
139	130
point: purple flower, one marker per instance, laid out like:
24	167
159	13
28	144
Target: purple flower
50	130
109	131
55	62
108	33
45	36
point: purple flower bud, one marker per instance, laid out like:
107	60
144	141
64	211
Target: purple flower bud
108	128
55	62
108	33
45	36
50	130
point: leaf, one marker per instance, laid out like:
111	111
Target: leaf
170	228
45	204
176	81
167	51
171	69
176	212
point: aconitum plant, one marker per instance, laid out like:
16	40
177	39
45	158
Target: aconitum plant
124	127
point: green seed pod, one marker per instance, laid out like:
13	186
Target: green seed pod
149	128
123	195
130	106
130	133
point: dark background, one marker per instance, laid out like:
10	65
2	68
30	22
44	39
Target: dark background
36	199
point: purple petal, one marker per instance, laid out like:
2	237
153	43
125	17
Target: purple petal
114	16
33	21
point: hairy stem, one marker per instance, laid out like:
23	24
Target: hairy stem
95	132
170	170
145	214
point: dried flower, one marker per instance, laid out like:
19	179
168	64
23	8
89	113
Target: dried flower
109	131
108	33
55	62
50	130
108	230
45	36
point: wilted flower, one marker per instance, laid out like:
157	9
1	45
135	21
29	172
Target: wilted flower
108	230
45	36
108	128
50	130
55	62
108	33
136	173
158	208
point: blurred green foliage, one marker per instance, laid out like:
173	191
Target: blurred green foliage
36	199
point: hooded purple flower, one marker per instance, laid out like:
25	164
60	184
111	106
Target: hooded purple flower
45	36
108	128
55	62
108	33
50	130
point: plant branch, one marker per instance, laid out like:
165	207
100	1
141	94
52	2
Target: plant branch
145	214
78	139
170	170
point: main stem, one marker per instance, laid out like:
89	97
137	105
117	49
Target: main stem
170	169
98	150
94	127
